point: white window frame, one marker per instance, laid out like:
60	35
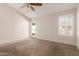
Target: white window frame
66	25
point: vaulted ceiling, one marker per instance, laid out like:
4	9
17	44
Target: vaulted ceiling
46	8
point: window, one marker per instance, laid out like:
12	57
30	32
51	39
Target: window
33	29
66	25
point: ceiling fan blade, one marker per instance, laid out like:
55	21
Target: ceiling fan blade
32	8
36	4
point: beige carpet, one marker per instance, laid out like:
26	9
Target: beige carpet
36	47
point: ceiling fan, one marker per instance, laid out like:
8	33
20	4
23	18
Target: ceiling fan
30	5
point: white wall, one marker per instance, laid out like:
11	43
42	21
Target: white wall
47	28
12	25
77	13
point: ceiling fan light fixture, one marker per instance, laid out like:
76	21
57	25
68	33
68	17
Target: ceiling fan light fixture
30	5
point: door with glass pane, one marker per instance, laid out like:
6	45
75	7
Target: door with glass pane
66	27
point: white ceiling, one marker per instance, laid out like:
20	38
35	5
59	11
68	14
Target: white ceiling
46	8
